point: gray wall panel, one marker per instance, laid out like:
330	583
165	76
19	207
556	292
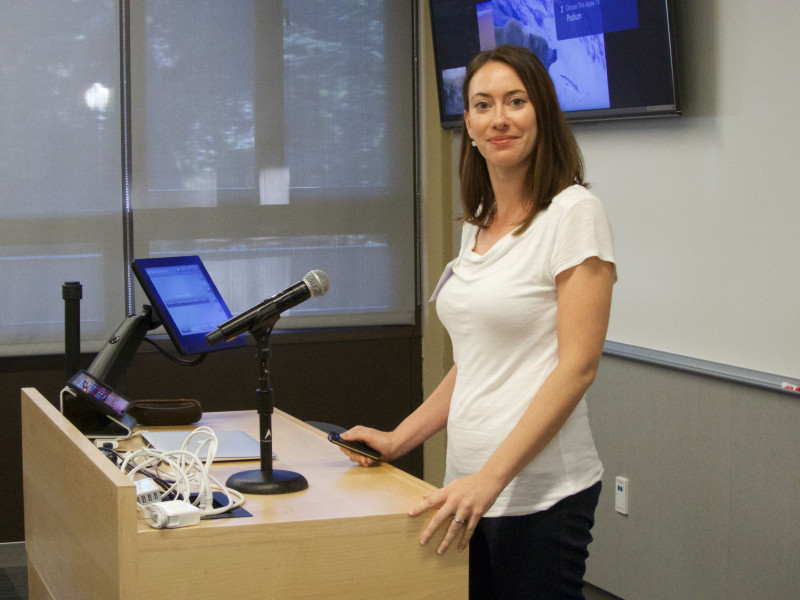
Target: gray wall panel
765	496
714	494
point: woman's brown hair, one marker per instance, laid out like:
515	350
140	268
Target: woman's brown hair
556	161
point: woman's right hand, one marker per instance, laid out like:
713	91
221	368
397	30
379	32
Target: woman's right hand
379	440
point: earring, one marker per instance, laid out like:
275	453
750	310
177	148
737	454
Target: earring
474	145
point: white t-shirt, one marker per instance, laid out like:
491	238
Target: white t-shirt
500	311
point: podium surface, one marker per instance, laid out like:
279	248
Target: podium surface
347	536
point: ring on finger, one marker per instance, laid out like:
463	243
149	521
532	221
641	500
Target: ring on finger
458	520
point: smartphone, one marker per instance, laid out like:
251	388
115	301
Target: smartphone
98	394
358	447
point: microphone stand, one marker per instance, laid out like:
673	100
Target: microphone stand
266	480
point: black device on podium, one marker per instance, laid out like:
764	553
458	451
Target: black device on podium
77	403
259	321
105	371
106	402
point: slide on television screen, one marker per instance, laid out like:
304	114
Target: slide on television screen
606	58
185	300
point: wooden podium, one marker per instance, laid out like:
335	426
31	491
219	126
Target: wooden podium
347	536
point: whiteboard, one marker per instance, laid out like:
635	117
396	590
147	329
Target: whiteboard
705	207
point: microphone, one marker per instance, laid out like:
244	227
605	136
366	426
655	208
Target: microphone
313	284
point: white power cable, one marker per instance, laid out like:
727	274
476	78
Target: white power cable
186	472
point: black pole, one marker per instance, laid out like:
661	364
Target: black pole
266	480
72	292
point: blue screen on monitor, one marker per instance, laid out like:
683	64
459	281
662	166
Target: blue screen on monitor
185	299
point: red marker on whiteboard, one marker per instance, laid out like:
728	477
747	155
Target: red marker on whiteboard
790	386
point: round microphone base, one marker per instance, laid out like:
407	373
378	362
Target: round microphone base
263	482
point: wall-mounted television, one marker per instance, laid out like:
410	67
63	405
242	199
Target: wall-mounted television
608	59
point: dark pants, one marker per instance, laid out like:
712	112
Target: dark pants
540	556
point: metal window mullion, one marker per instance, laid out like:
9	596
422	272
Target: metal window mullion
125	127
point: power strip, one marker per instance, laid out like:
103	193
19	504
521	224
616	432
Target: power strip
147	491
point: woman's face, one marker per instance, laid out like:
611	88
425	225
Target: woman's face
501	118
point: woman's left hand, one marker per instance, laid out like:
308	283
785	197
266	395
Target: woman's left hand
463	502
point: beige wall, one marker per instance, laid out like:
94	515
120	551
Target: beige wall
437	237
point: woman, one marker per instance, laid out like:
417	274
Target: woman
526	304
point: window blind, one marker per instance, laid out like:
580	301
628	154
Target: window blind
269	137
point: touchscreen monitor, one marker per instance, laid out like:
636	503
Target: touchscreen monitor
185	300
